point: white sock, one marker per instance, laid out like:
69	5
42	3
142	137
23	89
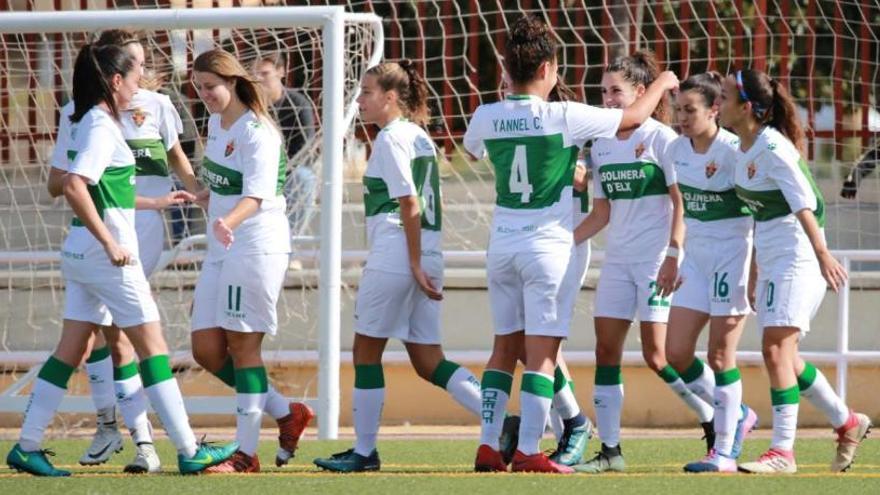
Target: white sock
368	398
48	391
464	388
703	410
700	379
608	402
728	402
164	394
536	396
785	415
564	401
556	424
277	405
496	386
132	402
99	367
251	386
816	389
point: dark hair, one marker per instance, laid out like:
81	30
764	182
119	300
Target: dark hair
561	92
530	43
404	77
94	67
707	84
771	104
118	37
640	67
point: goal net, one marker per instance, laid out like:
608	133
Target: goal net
324	53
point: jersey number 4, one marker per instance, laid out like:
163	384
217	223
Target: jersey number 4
519	175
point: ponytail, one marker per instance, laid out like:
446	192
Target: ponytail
561	92
641	67
92	72
412	90
772	104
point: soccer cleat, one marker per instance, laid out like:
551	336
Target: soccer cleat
290	429
537	463
106	442
712	463
206	456
489	460
849	436
608	459
709	435
509	439
34	462
350	462
571	447
146	460
238	463
747	422
774	461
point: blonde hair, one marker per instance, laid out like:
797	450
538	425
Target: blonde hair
224	65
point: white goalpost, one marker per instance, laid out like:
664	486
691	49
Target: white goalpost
345	44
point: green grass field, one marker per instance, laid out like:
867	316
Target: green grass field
444	466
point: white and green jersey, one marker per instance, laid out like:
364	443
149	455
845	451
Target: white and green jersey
533	146
632	174
104	159
151	126
246	160
403	163
773	179
712	210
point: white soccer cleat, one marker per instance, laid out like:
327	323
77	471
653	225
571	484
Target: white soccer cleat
106	442
146	460
849	436
773	461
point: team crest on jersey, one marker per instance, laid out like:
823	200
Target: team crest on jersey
751	170
230	147
640	149
138	116
711	168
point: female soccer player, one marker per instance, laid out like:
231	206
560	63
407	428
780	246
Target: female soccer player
715	270
636	194
401	288
99	264
533	146
150	126
237	292
792	261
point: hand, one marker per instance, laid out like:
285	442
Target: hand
202	198
580	178
668	80
425	284
118	255
668	280
174	198
849	189
832	270
223	233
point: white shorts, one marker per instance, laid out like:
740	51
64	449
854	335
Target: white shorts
627	289
121	296
524	292
392	305
240	294
150	228
714	281
789	300
572	282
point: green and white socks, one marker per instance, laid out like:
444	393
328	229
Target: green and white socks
703	409
815	388
785	404
251	387
164	394
48	391
132	402
700	379
276	406
496	385
367	399
564	401
728	402
608	402
99	368
536	396
461	384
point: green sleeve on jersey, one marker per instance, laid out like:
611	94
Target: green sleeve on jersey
282	172
531	171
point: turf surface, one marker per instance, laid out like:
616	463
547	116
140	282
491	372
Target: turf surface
444	466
